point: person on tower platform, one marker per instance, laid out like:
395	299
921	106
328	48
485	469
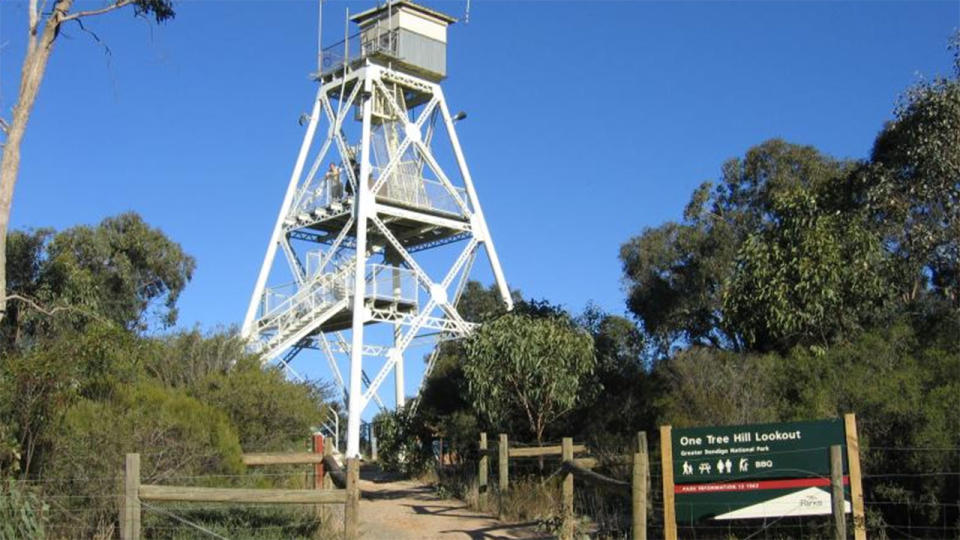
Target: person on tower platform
332	180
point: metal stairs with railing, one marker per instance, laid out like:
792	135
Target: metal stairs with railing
322	297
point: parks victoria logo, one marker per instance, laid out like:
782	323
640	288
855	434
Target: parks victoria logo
754	471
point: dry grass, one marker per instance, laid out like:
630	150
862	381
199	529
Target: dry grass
429	476
527	500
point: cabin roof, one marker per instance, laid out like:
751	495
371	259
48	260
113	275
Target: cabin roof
363	16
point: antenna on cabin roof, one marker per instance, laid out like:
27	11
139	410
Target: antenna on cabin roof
319	36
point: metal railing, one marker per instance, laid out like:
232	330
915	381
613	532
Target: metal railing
357	46
282	310
401	187
392	283
314	258
416	191
319	293
274	296
330	189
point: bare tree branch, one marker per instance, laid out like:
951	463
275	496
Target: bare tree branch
54	310
106	48
34	25
90	12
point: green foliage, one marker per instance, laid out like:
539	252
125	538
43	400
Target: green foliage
760	231
618	343
620	377
38	386
403	443
905	393
176	435
269	412
22	513
81	384
265	522
161	10
478	304
121	271
445	410
704	386
809	278
523	367
913	185
189	356
9	448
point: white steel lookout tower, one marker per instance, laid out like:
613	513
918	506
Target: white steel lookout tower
380	223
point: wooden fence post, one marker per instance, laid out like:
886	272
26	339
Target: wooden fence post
856	482
666	471
644	448
836	489
482	471
130	509
566	455
351	507
640	487
317	440
318	467
503	468
327	484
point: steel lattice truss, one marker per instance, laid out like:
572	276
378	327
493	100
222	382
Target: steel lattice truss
389	128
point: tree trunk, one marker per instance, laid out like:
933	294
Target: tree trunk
540	428
34	67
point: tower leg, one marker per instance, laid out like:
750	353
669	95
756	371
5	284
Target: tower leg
363	205
481	222
247	327
398	369
397	333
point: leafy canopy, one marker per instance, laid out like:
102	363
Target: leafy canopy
769	258
122	271
518	366
913	184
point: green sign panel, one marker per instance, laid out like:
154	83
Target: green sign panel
750	471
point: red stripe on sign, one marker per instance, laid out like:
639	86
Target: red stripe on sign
755	485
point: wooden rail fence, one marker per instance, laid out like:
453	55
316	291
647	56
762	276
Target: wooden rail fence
349	496
573	467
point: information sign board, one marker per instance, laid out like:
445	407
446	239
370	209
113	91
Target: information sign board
754	471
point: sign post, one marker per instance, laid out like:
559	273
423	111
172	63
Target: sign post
856	478
836	492
666	459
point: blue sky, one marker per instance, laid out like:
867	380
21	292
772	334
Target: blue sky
588	121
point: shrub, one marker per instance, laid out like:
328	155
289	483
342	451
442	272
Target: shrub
22	514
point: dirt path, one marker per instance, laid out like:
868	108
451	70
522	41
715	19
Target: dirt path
401	509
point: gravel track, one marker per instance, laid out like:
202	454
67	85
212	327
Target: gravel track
393	509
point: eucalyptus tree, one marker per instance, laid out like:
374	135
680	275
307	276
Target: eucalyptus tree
770	257
121	271
43	29
527	370
913	185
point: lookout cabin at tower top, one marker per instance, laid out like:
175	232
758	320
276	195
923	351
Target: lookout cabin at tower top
399	34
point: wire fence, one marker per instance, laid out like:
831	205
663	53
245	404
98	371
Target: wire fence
86	507
902	499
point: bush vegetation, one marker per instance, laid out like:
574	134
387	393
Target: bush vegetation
90	370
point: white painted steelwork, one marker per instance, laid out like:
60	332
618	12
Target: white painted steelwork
383	200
